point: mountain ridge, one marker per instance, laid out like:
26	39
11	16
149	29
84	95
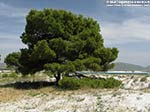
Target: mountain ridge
122	66
119	66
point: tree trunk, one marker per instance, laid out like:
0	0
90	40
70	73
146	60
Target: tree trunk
58	77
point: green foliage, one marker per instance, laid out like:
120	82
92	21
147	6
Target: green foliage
92	63
41	51
12	59
62	42
143	79
69	83
55	68
74	83
107	55
11	75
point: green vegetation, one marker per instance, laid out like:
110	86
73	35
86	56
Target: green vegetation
70	83
74	83
143	79
135	80
12	60
61	42
10	75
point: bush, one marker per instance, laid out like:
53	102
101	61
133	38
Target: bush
12	75
69	83
74	83
143	79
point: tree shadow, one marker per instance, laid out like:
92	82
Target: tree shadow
29	85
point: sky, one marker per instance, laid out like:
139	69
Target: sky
126	28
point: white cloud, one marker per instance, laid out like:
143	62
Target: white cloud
4	36
11	11
134	57
9	41
130	30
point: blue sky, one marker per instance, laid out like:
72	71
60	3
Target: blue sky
126	28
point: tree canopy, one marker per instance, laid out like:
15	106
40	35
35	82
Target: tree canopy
62	42
12	59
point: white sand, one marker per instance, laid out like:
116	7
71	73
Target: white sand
93	101
128	99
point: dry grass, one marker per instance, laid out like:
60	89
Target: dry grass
8	94
11	94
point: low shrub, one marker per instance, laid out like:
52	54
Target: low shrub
143	79
74	83
4	75
12	75
69	83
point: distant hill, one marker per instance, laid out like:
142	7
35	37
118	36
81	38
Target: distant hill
147	68
119	66
2	66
